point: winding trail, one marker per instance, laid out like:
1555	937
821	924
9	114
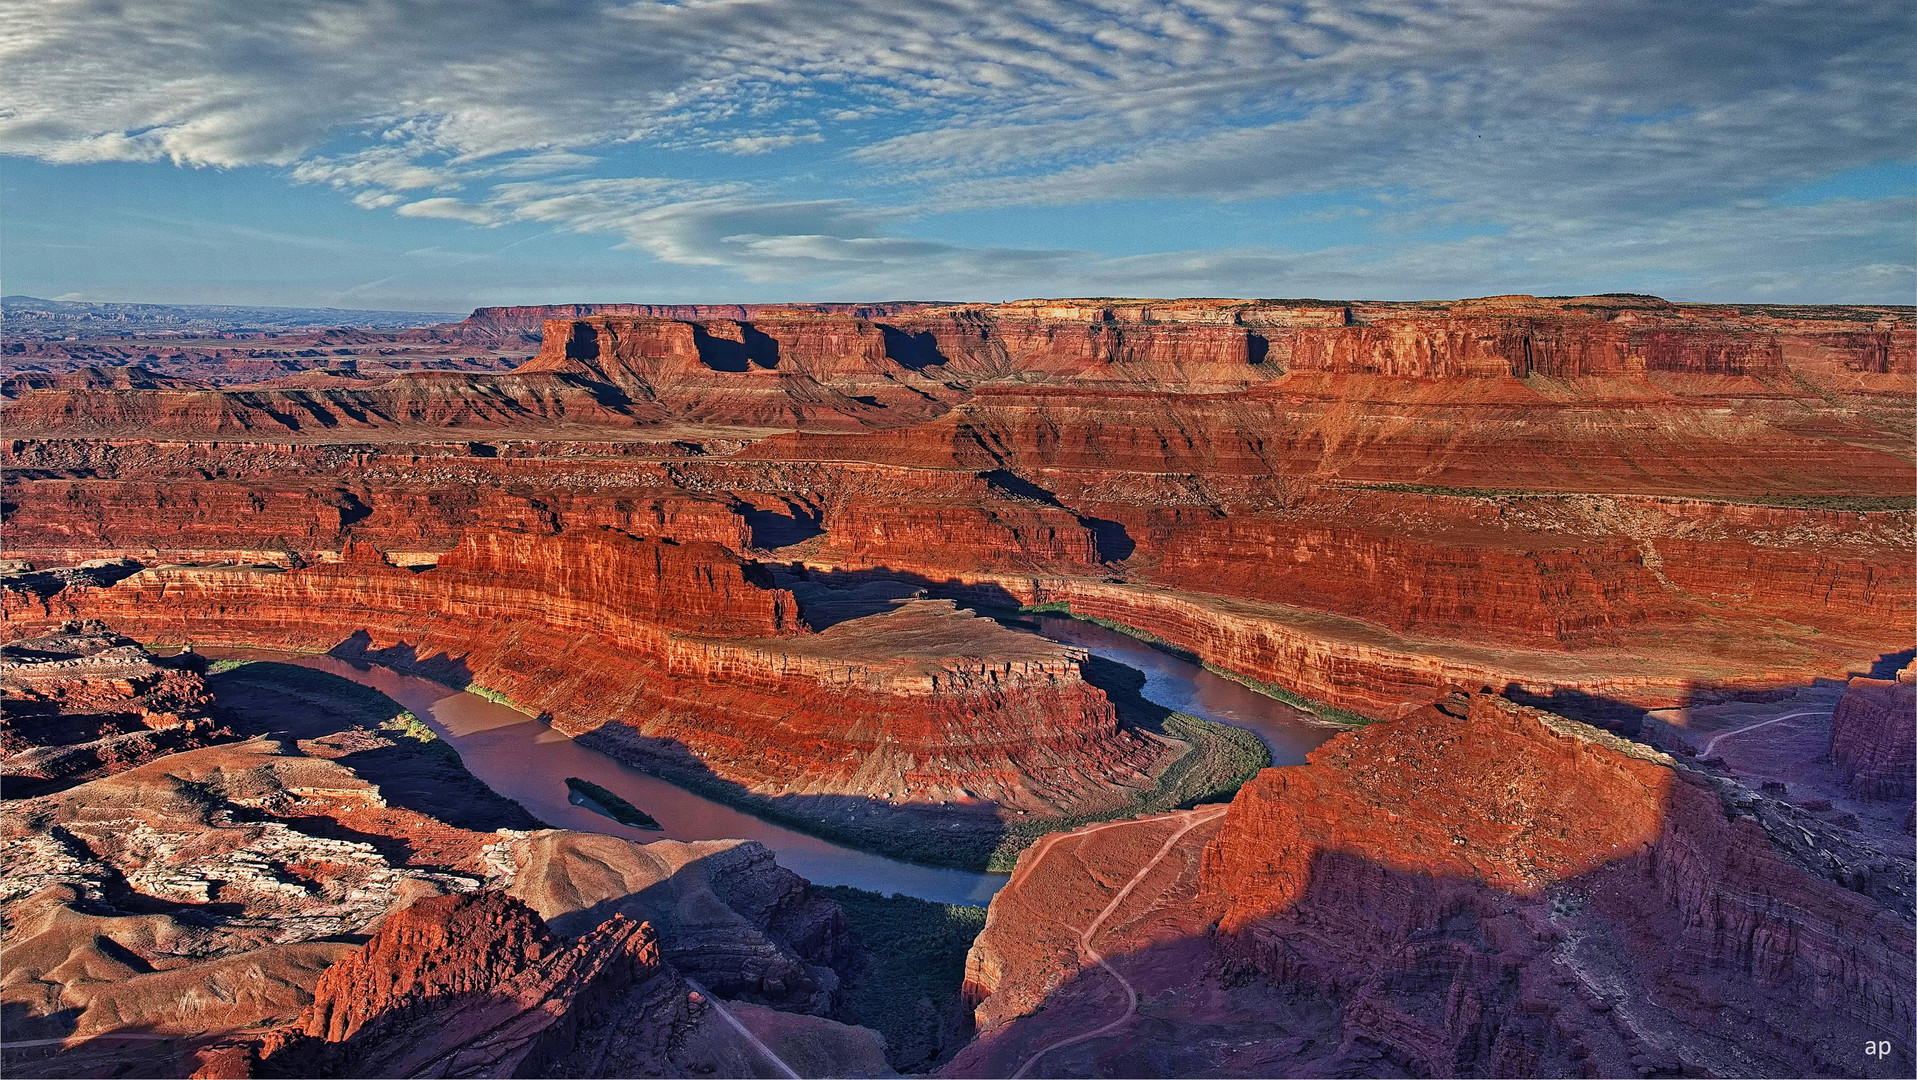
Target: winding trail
1193	819
1722	735
777	1062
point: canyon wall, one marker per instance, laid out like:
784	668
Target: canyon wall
678	651
1873	737
207	898
1433	894
1614	499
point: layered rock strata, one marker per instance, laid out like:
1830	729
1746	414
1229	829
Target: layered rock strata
1873	737
84	702
159	920
884	365
1612	500
1433	895
659	648
476	985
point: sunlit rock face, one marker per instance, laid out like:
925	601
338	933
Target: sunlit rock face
688	653
1475	889
777	550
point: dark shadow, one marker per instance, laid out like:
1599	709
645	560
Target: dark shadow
1010	483
823	604
913	351
352	510
583	343
800	924
45	583
718	353
292	703
760	348
929	834
1352	960
18	1024
36	1046
771	529
1125	686
400	656
1114	543
988	596
908	981
1618	717
1257	347
1888	665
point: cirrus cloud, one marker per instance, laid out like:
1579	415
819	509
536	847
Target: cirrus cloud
1521	144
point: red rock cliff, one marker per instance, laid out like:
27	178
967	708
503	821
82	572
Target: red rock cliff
1487	890
468	984
678	653
1873	736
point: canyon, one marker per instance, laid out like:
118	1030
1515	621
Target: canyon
1434	895
1517	557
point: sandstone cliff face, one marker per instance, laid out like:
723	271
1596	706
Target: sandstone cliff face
625	588
202	896
475	984
682	654
727	914
847	367
307	406
825	372
1514	794
1436	894
1873	736
1610	584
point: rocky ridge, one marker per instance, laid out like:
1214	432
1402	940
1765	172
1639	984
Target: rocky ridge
952	708
1430	894
204	911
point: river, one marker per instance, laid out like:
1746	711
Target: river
528	761
1186	687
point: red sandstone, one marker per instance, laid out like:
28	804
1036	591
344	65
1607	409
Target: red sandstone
1437	894
1873	737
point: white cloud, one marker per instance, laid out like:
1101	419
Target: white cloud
746	145
1550	131
448	209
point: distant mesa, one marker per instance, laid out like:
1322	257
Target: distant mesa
1573	586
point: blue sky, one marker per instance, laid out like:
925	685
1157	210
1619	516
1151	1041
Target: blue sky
441	154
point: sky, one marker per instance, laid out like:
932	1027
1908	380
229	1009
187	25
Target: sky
442	154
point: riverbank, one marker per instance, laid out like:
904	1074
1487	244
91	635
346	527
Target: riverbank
1218	759
1324	711
521	759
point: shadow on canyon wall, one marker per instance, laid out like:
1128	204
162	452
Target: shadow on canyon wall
1114	543
932	835
292	703
912	351
771	529
134	1050
757	349
19	1024
1888	665
1675	958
